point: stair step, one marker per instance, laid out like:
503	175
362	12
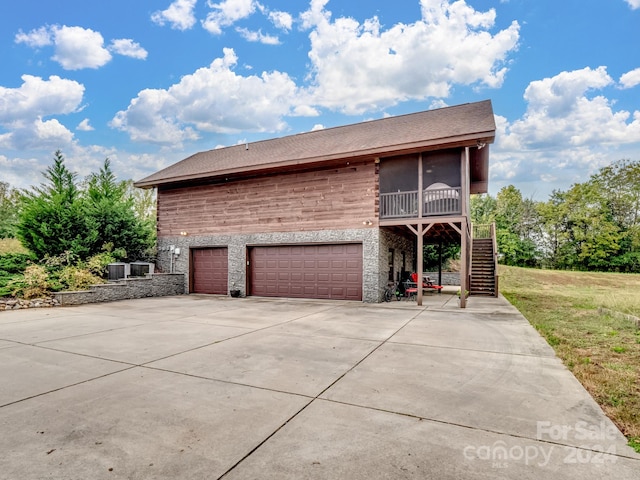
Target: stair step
483	279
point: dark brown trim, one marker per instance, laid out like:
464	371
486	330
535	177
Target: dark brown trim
315	162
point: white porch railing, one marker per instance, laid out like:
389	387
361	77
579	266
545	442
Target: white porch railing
440	201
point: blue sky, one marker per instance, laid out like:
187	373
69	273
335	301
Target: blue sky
149	82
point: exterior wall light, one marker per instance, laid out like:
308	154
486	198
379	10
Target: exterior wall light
184	234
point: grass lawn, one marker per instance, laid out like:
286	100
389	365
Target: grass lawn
602	350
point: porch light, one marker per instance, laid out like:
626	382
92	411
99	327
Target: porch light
184	234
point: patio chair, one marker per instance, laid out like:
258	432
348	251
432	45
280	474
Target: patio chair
427	284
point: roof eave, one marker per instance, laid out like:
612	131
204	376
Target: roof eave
443	143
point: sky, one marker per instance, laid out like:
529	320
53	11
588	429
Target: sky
147	83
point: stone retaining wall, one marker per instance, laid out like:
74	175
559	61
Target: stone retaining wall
19	303
154	285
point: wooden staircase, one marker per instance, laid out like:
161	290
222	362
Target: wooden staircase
484	280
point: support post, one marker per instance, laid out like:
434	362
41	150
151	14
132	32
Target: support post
440	261
419	264
420	187
464	266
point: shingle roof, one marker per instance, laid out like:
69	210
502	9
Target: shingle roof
394	134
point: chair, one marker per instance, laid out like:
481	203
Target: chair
427	284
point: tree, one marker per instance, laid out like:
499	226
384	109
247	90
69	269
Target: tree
110	211
553	221
52	219
144	202
516	228
9	207
621	182
58	218
482	209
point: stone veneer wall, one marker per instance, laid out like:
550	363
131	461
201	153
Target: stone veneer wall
237	245
448	278
399	244
154	285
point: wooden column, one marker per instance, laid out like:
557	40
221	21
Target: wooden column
440	261
420	187
464	265
420	263
420	232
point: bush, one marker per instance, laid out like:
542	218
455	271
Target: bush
13	263
12	267
77	278
33	283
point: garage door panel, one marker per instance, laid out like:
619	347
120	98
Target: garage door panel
210	270
308	271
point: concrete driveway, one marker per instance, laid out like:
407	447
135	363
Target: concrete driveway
208	387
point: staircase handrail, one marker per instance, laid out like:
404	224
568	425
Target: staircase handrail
495	255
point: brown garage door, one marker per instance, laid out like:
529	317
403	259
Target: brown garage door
209	270
307	271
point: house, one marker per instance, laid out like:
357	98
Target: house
335	213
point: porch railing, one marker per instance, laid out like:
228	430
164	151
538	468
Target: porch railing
440	201
483	230
399	205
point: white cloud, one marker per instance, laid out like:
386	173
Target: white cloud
37	97
226	13
84	126
22	110
305	111
212	99
568	132
38	134
281	20
39	37
317	126
258	36
128	48
20	172
560	111
179	14
634	4
360	67
77	48
630	79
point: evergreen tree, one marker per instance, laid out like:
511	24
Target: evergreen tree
110	211
52	219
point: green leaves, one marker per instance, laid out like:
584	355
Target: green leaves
59	217
592	226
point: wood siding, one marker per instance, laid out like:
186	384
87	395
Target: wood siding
334	198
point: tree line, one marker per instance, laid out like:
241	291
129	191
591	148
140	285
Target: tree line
593	226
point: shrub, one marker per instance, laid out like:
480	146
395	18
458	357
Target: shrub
12	267
33	283
77	278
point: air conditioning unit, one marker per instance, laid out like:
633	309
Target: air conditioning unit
117	271
140	269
